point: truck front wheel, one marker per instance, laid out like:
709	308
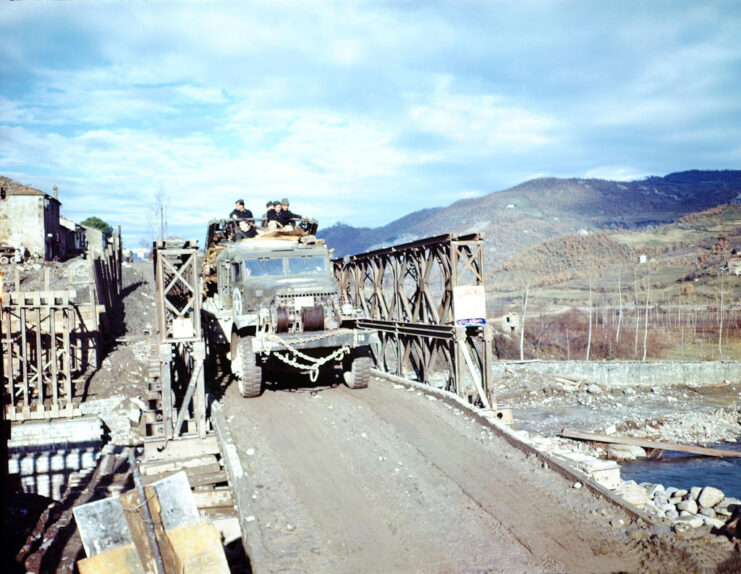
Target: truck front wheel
357	372
245	367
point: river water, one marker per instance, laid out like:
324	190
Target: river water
685	471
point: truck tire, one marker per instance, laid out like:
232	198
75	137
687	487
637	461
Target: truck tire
245	367
358	375
4	260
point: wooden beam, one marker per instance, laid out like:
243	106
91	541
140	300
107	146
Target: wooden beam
705	451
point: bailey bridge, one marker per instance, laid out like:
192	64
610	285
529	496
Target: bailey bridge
416	473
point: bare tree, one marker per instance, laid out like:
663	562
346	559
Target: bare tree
681	324
589	329
620	308
635	311
645	325
720	317
160	209
522	316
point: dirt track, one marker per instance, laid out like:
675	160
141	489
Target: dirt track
387	480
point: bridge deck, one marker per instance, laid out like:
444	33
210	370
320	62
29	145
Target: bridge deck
384	480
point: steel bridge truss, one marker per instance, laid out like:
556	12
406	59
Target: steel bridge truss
412	294
177	396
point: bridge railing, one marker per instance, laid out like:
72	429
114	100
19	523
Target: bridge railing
426	299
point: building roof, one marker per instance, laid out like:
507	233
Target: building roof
12	187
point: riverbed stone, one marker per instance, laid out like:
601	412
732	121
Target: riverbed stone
692	521
688	505
637	451
710	496
729	502
632	493
695	492
714	522
626	452
654	490
594	389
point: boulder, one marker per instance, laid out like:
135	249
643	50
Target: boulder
695	492
729	502
710	496
626	452
714	522
688	505
655	489
709	512
692	521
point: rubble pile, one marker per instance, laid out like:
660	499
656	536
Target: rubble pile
696	507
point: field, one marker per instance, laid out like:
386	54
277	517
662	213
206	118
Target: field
676	274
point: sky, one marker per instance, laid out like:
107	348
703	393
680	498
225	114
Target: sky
358	111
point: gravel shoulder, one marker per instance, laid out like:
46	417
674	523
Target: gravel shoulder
388	480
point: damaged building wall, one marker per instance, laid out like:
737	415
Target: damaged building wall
29	219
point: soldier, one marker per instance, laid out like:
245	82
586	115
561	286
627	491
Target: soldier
270	217
286	216
239	211
246	230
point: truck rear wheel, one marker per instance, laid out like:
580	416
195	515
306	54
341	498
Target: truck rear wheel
358	373
245	367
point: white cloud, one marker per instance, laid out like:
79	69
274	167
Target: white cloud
483	123
360	112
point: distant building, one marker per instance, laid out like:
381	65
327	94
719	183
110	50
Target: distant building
642	259
734	265
141	253
510	323
73	237
29	219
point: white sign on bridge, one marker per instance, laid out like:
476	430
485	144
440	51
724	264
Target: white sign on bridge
469	304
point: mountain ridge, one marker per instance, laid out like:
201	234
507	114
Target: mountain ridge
542	208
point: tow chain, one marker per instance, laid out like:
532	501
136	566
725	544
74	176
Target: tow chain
311	369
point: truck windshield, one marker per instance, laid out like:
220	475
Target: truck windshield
263	267
307	265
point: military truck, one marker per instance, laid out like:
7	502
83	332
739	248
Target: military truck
272	301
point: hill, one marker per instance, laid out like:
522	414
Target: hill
540	209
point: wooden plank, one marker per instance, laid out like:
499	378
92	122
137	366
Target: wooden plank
183	448
121	560
705	451
135	518
213	498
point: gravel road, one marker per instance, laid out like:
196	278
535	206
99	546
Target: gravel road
391	480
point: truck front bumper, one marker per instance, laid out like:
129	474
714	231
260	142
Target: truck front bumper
315	340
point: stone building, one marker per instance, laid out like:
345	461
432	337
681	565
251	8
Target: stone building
733	264
30	222
510	323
